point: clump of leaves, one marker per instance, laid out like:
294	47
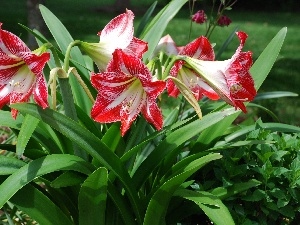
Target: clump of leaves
270	158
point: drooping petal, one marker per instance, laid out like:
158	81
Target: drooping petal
153	114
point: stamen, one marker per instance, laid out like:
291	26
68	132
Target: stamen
14	84
241	99
235	88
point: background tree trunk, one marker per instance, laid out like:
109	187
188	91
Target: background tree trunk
35	20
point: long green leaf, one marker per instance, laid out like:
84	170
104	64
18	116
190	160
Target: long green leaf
241	133
210	204
87	141
155	29
158	204
275	94
92	198
175	139
267	58
39	207
9	165
121	204
63	39
45	135
259	71
37	168
7	120
28	126
68	178
145	19
236	188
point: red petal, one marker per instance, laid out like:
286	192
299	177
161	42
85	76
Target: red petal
130	65
152	114
137	47
200	48
11	44
40	92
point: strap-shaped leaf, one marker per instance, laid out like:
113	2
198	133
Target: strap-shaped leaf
236	188
92	198
9	165
112	138
210	204
68	178
28	126
7	120
145	19
155	29
175	139
275	94
241	133
39	207
158	204
45	135
38	168
88	142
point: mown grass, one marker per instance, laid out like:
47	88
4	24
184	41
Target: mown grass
85	18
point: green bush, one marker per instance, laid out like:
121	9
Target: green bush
273	160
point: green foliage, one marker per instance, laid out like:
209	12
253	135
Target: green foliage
273	198
147	176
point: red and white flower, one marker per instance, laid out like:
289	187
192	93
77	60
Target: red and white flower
125	90
117	34
200	49
231	78
21	72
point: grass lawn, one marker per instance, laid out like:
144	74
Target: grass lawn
83	21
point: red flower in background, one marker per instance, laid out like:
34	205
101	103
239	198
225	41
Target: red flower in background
21	72
199	17
125	90
224	21
231	78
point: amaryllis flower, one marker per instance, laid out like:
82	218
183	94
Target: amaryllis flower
21	72
201	49
224	21
125	90
231	78
199	17
118	33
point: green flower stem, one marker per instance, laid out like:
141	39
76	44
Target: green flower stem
83	85
68	53
67	96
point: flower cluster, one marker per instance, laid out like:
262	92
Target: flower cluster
126	87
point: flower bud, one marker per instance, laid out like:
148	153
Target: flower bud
199	17
224	21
